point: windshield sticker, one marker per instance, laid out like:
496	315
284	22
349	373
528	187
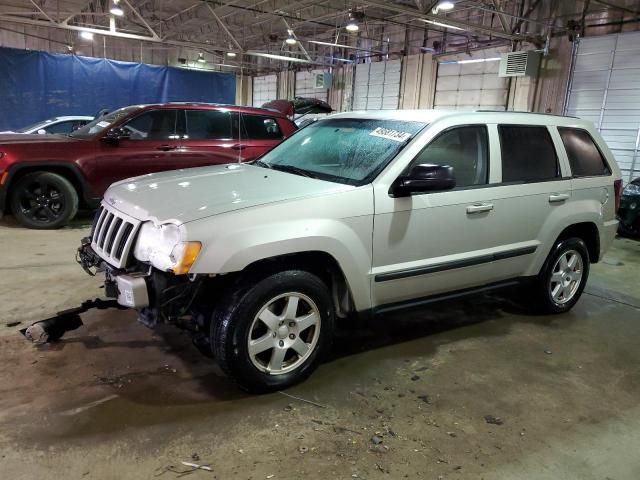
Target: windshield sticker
390	134
103	124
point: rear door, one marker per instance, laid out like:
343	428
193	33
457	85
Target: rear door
209	137
534	191
151	147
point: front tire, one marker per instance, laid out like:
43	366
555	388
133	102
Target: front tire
43	200
560	283
273	333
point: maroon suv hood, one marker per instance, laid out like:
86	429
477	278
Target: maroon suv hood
8	138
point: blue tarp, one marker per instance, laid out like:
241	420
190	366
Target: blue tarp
35	86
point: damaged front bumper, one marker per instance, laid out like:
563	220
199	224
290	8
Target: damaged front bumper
157	296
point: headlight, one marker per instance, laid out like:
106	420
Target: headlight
631	189
162	247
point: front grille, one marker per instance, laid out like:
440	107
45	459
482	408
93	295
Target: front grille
113	236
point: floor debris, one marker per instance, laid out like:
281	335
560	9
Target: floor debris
303	400
493	420
76	411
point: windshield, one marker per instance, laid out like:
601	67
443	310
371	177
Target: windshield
344	150
36	126
101	124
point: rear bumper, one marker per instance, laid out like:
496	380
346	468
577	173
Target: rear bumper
607	236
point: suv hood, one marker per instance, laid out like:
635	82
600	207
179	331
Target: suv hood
33	138
182	196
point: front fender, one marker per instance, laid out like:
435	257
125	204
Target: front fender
238	244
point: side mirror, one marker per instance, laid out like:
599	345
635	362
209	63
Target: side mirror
115	135
42	131
424	178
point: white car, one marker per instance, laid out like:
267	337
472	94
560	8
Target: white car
59	125
357	214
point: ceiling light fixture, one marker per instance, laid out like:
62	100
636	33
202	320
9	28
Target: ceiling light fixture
86	35
201	58
116	9
231	54
445	6
440	24
352	25
291	39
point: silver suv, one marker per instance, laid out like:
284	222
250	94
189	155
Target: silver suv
357	214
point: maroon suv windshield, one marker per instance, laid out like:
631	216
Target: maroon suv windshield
103	123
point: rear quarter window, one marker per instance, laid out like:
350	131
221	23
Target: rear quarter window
528	154
585	157
260	127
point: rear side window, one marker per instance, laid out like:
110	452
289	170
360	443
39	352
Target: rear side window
208	125
584	156
528	154
259	127
152	125
463	148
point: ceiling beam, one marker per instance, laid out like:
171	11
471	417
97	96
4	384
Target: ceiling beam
224	27
449	20
141	18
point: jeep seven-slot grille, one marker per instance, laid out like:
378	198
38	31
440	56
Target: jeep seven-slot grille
113	236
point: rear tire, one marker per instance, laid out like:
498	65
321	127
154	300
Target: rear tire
560	283
43	200
273	333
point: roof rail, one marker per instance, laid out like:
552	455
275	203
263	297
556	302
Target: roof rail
530	113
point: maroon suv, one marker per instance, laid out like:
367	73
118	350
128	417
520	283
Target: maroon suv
45	178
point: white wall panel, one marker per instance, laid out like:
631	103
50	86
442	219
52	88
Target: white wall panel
265	89
605	89
306	85
471	86
377	85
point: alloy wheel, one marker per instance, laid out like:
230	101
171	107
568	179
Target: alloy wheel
284	333
566	277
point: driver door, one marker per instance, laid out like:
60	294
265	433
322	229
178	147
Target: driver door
436	242
151	147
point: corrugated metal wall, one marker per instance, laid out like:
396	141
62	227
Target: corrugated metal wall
605	89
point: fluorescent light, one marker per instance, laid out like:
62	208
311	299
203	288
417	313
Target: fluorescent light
445	6
117	10
86	35
231	54
440	24
474	60
278	57
339	45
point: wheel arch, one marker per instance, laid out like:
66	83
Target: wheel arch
70	172
588	232
319	263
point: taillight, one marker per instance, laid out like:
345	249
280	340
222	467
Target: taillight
617	187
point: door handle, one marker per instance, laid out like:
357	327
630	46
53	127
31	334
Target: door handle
558	197
479	208
166	148
238	147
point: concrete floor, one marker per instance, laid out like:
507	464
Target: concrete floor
115	400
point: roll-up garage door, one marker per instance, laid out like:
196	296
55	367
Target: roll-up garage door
306	85
377	86
265	89
471	86
604	89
